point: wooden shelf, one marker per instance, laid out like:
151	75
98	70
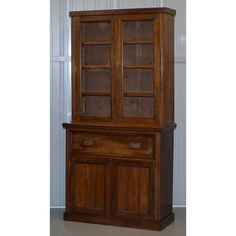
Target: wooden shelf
96	43
138	66
138	42
96	67
96	94
138	94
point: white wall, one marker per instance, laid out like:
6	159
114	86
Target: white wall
61	87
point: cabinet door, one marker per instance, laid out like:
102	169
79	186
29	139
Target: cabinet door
89	185
138	60
93	68
133	189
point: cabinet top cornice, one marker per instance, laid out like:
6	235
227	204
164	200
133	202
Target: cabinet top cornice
163	10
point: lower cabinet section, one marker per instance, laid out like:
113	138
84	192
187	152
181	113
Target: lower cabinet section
124	190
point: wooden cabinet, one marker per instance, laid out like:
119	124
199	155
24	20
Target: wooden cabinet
119	144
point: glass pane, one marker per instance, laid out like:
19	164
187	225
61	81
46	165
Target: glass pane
96	55
96	106
138	81
138	54
96	80
137	30
138	107
95	31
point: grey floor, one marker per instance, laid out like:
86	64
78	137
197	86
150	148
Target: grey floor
58	227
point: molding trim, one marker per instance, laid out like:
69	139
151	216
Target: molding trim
63	207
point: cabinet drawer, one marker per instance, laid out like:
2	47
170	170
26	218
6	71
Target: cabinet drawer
113	144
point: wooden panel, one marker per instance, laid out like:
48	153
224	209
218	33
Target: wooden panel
89	186
80	192
122	186
100	186
167	58
166	173
126	145
143	179
133	188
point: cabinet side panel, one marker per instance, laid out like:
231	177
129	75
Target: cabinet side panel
166	174
75	25
168	68
68	171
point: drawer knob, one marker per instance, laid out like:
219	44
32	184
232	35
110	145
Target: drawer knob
88	142
135	145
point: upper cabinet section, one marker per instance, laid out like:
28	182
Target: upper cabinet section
122	66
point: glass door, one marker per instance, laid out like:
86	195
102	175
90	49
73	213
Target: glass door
137	68
96	68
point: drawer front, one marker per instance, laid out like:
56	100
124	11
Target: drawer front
113	144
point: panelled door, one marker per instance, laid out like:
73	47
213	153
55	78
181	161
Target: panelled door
138	51
89	185
124	188
133	189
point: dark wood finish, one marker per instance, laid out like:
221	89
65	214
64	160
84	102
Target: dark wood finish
164	10
96	94
89	185
95	42
166	173
119	145
137	41
96	66
113	144
133	189
168	69
138	66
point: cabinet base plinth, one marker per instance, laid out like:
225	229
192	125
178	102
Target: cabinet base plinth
120	221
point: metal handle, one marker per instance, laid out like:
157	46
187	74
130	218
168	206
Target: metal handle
135	145
88	142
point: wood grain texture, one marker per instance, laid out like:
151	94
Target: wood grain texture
88	185
124	11
168	69
113	144
119	153
166	173
132	189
